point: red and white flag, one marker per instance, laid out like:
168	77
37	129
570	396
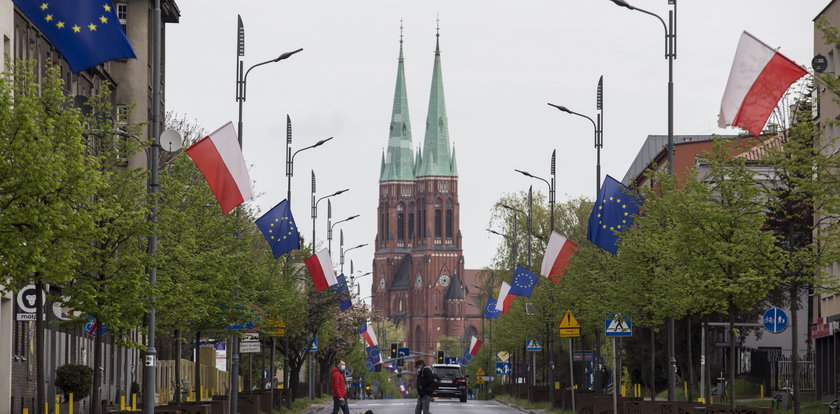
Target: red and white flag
759	77
220	160
368	335
475	345
505	298
321	269
557	255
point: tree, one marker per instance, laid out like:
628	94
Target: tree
46	184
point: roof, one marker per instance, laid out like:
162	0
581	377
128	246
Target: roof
655	145
401	279
399	158
455	290
437	158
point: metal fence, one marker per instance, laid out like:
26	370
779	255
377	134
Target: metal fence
807	373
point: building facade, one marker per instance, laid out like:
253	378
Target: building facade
825	320
419	281
131	83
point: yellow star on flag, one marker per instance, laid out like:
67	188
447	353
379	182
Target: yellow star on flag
92	27
48	17
107	8
103	19
76	28
60	24
44	6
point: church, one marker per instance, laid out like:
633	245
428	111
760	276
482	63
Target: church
419	280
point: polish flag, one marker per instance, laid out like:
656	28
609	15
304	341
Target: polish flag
219	158
368	335
321	269
505	298
758	79
475	345
557	255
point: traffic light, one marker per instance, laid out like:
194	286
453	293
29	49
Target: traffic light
400	362
393	350
440	357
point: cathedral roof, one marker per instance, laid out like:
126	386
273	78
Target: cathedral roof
402	280
455	290
399	159
437	158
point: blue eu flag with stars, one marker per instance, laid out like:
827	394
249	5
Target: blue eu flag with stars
523	282
612	213
343	292
279	229
490	311
86	32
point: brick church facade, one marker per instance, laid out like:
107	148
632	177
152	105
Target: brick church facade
419	280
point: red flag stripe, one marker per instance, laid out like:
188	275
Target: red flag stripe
212	166
766	92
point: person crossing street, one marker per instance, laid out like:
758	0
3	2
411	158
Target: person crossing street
339	388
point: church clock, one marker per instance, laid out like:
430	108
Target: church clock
382	283
444	280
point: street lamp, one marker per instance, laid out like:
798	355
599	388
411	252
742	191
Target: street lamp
528	215
290	157
314	213
354	280
551	186
670	54
599	130
331	226
343	252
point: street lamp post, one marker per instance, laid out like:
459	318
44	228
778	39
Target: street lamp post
290	157
344	252
241	87
331	226
314	212
670	55
599	131
547	326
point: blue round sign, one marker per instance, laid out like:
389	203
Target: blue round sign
775	320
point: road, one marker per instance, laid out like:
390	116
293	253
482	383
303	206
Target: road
441	406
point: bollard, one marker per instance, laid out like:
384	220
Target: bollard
122	402
57	406
46	408
761	391
25	411
133	402
70	404
685	389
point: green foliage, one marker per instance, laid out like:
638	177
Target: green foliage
75	379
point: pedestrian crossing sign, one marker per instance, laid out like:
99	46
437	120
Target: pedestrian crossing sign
618	325
532	345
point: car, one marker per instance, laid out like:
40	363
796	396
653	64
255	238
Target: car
453	381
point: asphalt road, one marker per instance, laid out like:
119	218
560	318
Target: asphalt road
441	406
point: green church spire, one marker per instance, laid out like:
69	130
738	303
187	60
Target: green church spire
437	159
399	160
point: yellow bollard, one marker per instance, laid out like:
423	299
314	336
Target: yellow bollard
133	402
46	408
25	411
623	390
122	402
761	391
57	406
685	388
70	404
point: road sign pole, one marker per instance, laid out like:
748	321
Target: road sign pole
572	376
615	378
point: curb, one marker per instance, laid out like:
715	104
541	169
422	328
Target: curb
517	407
314	408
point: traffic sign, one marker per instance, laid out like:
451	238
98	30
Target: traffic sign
569	326
479	380
503	368
450	360
403	352
250	343
276	326
618	325
532	345
775	320
479	371
504	356
583	356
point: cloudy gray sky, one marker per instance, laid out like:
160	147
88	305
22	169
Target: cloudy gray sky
502	61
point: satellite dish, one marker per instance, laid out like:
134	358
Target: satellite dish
171	141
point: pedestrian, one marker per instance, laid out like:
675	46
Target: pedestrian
426	384
339	389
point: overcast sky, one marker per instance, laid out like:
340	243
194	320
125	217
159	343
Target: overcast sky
502	61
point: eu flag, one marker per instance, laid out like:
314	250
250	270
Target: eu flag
86	32
523	282
343	293
490	311
612	213
278	227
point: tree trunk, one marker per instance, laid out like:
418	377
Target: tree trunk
178	374
40	356
732	358
96	390
197	364
690	361
652	364
794	343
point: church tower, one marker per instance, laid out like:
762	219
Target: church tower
419	264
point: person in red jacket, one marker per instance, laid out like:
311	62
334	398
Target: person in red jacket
339	389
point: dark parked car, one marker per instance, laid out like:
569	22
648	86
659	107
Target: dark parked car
453	381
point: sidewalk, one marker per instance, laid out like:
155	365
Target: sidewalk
524	410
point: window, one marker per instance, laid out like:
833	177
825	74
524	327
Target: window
443	186
449	224
122	14
406	191
437	223
400	226
410	226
